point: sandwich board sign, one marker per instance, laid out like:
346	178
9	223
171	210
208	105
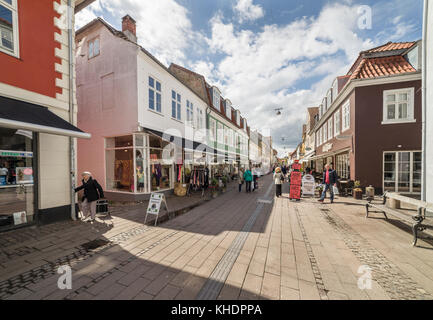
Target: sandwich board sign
155	201
308	185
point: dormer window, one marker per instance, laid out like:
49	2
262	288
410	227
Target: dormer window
329	98
228	109
325	105
216	98
335	90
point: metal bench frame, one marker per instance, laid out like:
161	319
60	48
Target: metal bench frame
419	218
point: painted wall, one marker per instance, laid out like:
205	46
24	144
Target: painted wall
162	121
429	115
34	69
107	95
372	138
41	76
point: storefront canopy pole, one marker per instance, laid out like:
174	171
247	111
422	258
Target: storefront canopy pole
11	124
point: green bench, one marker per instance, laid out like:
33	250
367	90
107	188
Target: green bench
424	211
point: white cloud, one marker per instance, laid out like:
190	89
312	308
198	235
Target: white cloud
247	11
265	70
163	26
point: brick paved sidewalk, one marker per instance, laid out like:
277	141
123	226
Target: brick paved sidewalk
238	246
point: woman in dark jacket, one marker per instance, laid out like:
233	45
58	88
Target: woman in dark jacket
92	193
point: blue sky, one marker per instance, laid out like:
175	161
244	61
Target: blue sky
265	54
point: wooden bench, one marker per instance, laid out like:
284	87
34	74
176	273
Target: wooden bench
424	211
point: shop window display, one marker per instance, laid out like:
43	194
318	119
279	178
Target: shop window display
16	178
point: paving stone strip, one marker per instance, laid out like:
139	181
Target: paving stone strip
314	266
119	267
15	284
213	286
389	276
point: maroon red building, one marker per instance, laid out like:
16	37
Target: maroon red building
370	122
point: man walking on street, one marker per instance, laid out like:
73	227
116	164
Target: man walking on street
329	180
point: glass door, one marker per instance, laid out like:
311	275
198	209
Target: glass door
17	204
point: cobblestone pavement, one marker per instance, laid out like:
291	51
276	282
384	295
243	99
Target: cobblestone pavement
238	246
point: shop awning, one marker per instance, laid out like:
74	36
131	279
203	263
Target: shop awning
184	143
16	114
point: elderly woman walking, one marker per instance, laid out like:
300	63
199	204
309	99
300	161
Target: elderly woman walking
278	179
92	193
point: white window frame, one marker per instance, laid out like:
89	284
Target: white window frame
155	93
410	106
345	115
337	124
335	90
325	105
330	128
216	98
397	169
15	29
329	98
220	133
92	54
325	132
320	111
189	113
178	104
213	129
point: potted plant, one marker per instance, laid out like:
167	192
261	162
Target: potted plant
357	191
214	187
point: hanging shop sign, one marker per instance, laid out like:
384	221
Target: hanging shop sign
308	185
327	147
155	202
16	154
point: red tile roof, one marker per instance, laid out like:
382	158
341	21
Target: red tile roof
391	46
382	67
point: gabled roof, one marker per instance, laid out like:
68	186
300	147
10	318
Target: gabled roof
378	62
382	67
391	46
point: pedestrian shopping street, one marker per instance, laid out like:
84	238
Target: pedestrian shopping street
237	246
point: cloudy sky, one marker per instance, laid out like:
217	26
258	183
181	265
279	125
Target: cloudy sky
265	54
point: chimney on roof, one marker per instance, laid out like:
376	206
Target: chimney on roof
129	28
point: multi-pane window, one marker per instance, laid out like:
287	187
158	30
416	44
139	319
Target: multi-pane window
325	104
9	27
402	172
213	130
321	111
335	90
346	116
329	98
189	112
220	133
325	132
154	95
176	105
200	121
330	128
317	138
94	48
216	98
398	105
343	166
337	123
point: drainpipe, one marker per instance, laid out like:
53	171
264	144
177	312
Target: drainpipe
424	103
71	106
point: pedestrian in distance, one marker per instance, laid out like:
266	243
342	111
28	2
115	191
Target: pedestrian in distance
330	178
248	177
279	180
92	193
240	179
